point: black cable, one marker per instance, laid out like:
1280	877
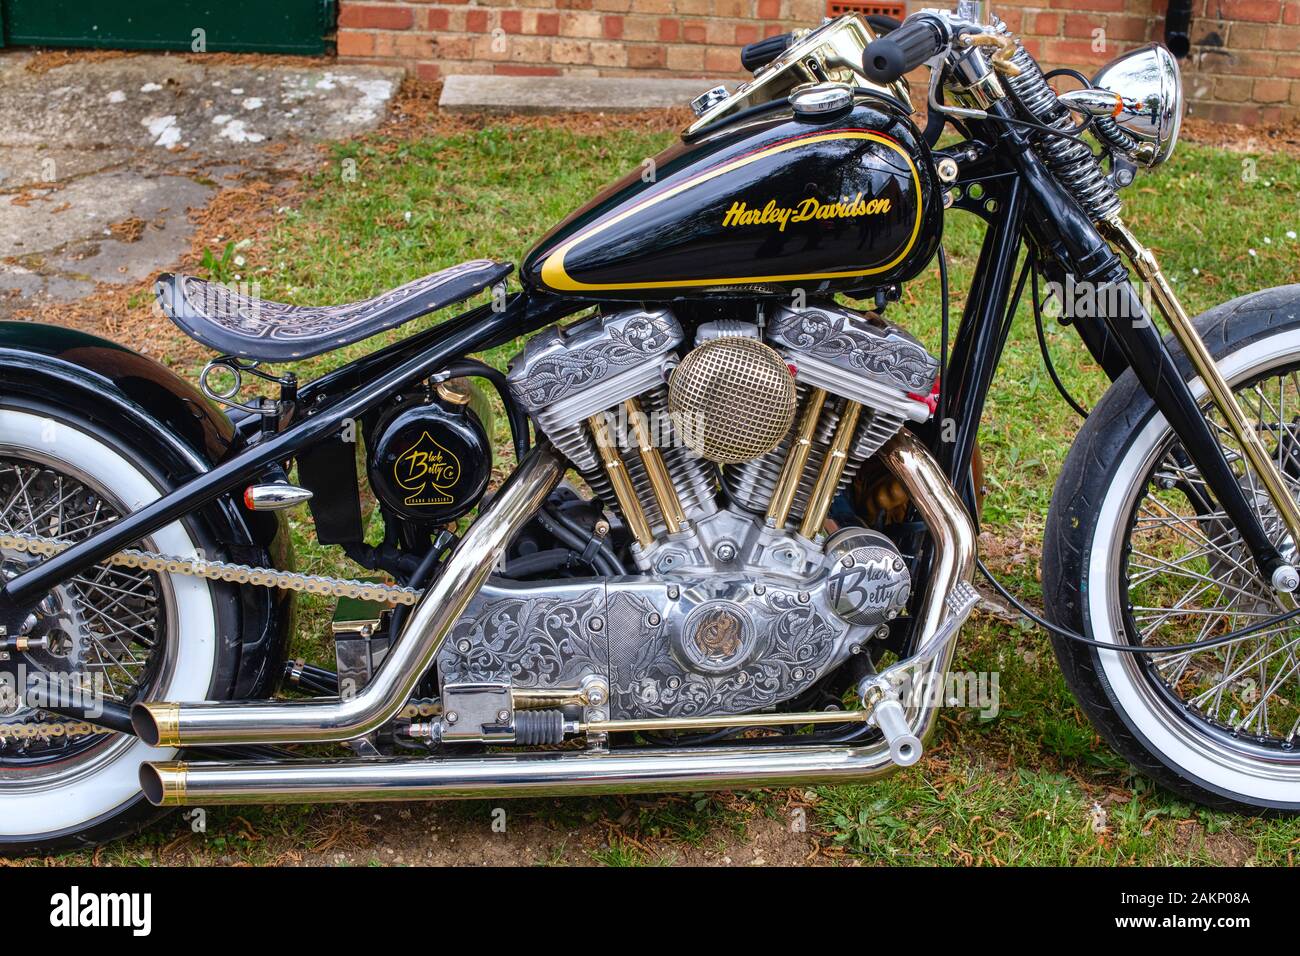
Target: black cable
1017	295
543	562
572	536
1083	81
473	368
1047	355
1066	71
1135	648
1043	128
944	303
420	577
693	740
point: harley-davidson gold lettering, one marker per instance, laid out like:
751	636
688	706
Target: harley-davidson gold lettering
811	208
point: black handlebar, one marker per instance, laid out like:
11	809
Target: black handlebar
754	56
919	39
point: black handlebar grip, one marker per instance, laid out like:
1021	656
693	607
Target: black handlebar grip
920	38
760	53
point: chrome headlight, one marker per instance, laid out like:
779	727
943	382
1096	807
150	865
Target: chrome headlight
1143	92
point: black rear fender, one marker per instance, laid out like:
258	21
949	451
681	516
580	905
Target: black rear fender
180	434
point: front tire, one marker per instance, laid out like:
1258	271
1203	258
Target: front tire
1135	553
54	794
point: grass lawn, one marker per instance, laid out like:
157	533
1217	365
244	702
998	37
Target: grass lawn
1033	784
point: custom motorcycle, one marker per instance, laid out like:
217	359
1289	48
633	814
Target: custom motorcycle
738	542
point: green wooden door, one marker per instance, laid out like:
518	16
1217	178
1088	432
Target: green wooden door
260	26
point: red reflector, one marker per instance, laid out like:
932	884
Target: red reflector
248	498
932	400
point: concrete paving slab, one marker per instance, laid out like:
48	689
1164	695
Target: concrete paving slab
102	160
38	222
164	103
117	226
566	94
41	165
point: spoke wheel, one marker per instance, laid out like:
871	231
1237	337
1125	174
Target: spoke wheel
1137	551
1190	577
103	631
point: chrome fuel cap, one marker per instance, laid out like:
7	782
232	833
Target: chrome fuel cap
818	99
709	99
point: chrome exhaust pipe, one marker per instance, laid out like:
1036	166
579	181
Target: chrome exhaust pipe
560	773
163	724
508	775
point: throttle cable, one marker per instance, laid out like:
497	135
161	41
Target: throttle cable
1046	353
1135	648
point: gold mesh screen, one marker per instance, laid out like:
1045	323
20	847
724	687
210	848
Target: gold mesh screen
732	399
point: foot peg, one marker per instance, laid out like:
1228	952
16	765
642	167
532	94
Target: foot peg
904	746
880	692
885	711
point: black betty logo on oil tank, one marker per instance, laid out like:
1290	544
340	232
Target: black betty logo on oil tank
427	470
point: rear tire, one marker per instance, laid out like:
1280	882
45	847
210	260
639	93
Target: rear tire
1095	582
84	796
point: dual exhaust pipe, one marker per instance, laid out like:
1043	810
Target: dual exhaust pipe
178	783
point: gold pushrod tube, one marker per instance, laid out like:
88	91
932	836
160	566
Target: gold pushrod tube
819	502
620	481
778	512
661	484
1203	362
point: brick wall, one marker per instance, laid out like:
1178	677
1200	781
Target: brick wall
1244	65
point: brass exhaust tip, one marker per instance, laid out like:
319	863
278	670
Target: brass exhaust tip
158	724
164	783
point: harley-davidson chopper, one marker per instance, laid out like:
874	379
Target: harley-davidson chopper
738	544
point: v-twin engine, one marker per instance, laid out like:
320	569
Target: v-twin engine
721	455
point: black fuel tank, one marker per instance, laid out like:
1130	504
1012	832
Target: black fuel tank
764	207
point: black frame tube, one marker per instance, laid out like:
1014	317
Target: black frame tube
397	367
977	350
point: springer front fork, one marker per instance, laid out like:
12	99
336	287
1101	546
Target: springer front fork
1145	352
1283	575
